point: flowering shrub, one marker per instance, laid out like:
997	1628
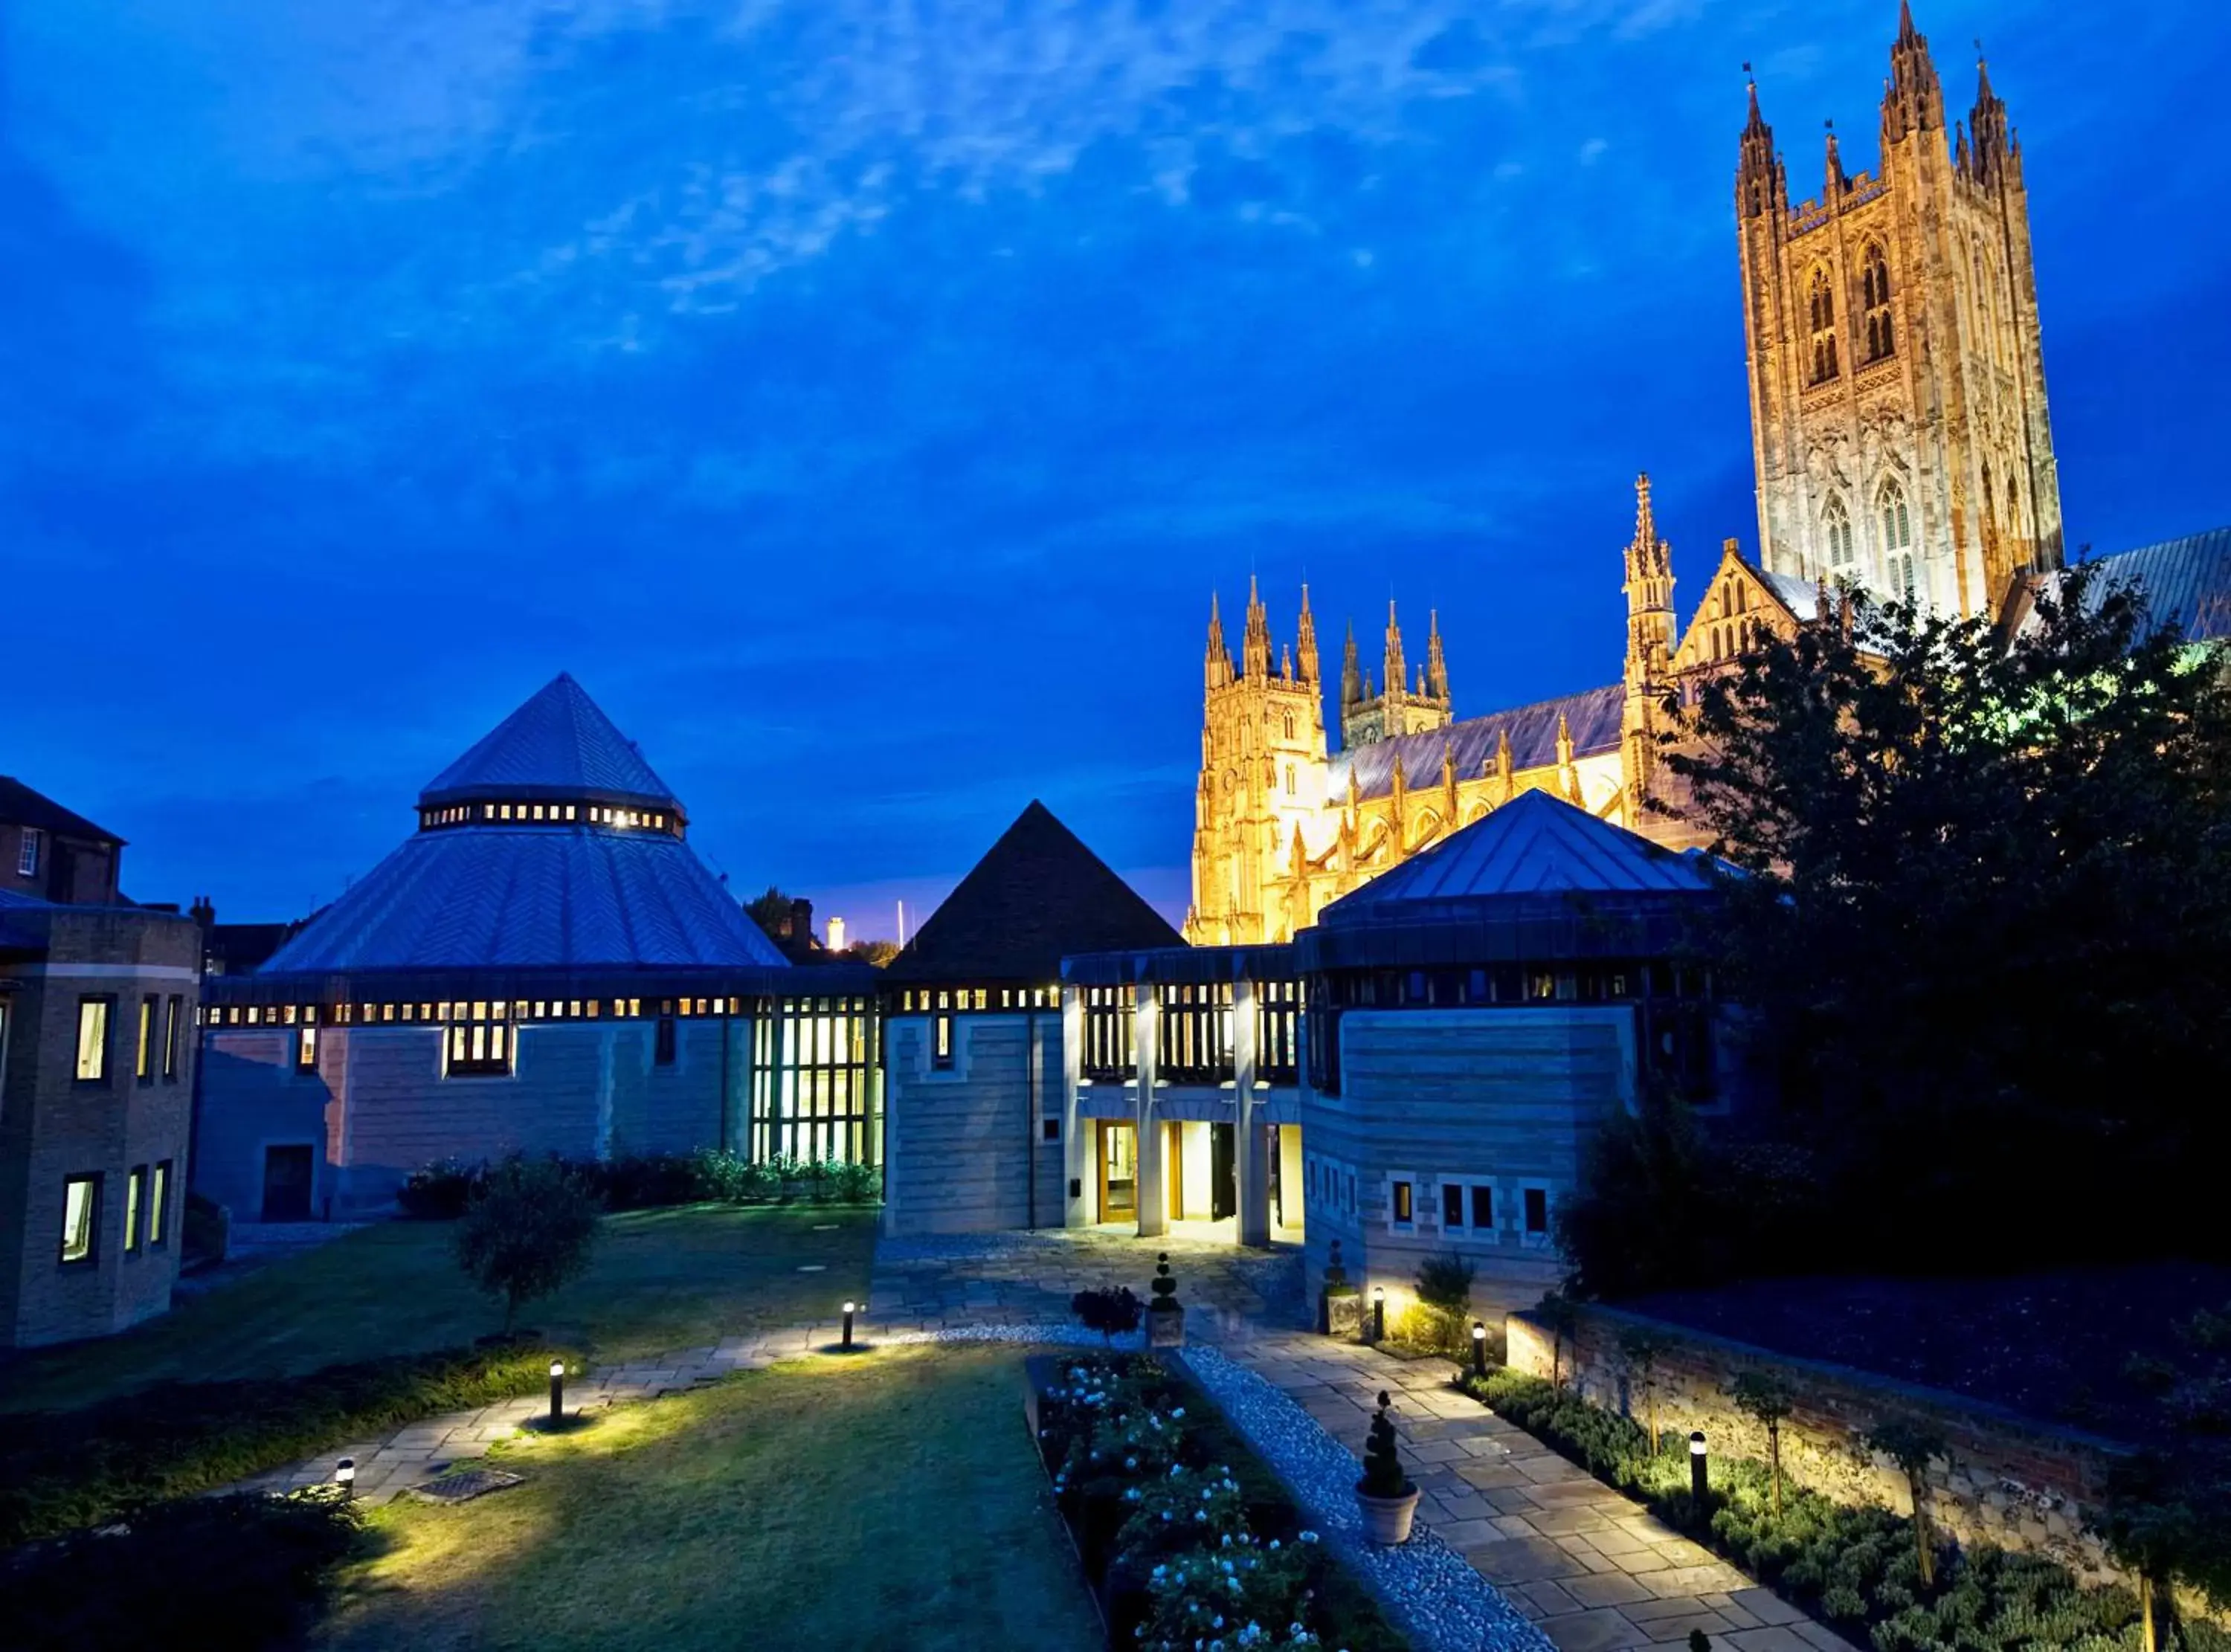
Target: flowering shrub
1192	1542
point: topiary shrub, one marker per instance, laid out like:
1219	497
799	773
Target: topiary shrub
1383	1461
1164	1286
528	1233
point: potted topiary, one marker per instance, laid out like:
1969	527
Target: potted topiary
1165	1318
1385	1495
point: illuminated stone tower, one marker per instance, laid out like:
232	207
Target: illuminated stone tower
1896	379
1650	639
1262	777
1369	712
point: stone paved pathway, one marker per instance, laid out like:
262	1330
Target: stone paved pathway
1596	1571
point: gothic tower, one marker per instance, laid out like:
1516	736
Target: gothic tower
1898	420
1401	707
1649	650
1261	776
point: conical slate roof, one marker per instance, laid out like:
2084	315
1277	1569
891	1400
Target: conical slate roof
1037	895
593	873
560	743
1535	844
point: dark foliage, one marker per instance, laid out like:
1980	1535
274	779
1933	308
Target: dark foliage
1383	1461
247	1573
1856	1568
1110	1310
1444	1282
1983	940
65	1469
1164	1287
652	1181
529	1231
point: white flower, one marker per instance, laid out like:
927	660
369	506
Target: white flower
1309	1537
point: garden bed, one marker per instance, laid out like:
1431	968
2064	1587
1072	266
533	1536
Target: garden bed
1857	1569
1186	1536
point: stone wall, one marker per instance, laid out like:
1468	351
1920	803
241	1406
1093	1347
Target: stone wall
967	1149
2011	1481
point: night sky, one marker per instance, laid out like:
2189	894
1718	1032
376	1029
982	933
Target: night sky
862	399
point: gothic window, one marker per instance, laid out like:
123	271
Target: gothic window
1987	307
1836	528
1820	309
1874	290
1289	730
1898	541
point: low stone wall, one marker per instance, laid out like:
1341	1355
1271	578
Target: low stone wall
2011	1481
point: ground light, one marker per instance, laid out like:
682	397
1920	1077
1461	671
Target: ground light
849	1308
1479	1347
1379	1313
345	1476
557	1392
1697	1475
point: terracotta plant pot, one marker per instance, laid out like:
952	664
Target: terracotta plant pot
1166	1327
1387	1520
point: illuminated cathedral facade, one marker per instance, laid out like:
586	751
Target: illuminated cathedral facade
1901	444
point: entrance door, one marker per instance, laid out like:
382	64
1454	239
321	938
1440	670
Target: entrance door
1119	1172
1223	1178
287	1175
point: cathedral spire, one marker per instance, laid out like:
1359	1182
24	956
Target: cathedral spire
1257	645
1915	101
1396	677
1351	673
1307	649
1987	122
1760	189
1217	671
1837	180
1437	663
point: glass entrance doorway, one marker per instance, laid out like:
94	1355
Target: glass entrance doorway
1119	1172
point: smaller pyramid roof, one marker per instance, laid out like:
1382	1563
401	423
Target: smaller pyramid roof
560	743
1037	895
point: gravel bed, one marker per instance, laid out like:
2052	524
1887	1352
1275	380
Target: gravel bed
1047	1332
1428	1589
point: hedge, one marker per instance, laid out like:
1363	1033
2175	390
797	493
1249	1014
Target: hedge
1172	1510
252	1574
1855	1568
650	1181
63	1470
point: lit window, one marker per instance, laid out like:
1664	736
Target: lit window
143	1064
1398	1209
305	1050
479	1046
940	1034
134	1186
27	853
170	1039
1898	541
92	1040
80	1217
158	1198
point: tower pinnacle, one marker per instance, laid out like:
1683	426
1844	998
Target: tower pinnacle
1306	643
1351	673
1255	646
1437	664
1395	676
1216	669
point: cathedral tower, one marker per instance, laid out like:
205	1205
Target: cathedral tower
1402	705
1262	775
1650	641
1898	420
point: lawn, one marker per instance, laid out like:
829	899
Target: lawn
669	1279
892	1500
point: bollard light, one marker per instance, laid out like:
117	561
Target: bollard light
1379	1313
345	1476
848	1308
1479	1348
1696	1475
557	1391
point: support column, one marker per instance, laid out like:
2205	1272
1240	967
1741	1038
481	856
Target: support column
1077	1169
1251	1157
1153	1202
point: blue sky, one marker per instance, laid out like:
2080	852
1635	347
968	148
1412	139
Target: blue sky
862	399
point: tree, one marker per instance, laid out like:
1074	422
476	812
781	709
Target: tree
529	1232
1981	886
876	953
1766	1399
771	911
1641	1348
1913	1446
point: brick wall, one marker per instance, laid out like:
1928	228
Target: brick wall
2010	1480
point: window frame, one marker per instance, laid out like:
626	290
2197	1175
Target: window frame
665	1042
143	1057
174	1009
306	1047
135	1204
1401	1191
105	1004
91	1257
491	1018
158	1199
1528	1234
29	841
941	1042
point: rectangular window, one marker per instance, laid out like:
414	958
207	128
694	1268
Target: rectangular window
27	854
479	1047
1537	1212
171	1011
159	1196
80	1217
663	1045
941	1042
1398	1208
1483	1208
143	1065
93	1039
305	1050
135	1185
1452	1205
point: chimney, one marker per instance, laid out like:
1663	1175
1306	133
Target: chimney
801	919
836	934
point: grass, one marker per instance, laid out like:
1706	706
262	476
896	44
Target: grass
888	1501
663	1279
